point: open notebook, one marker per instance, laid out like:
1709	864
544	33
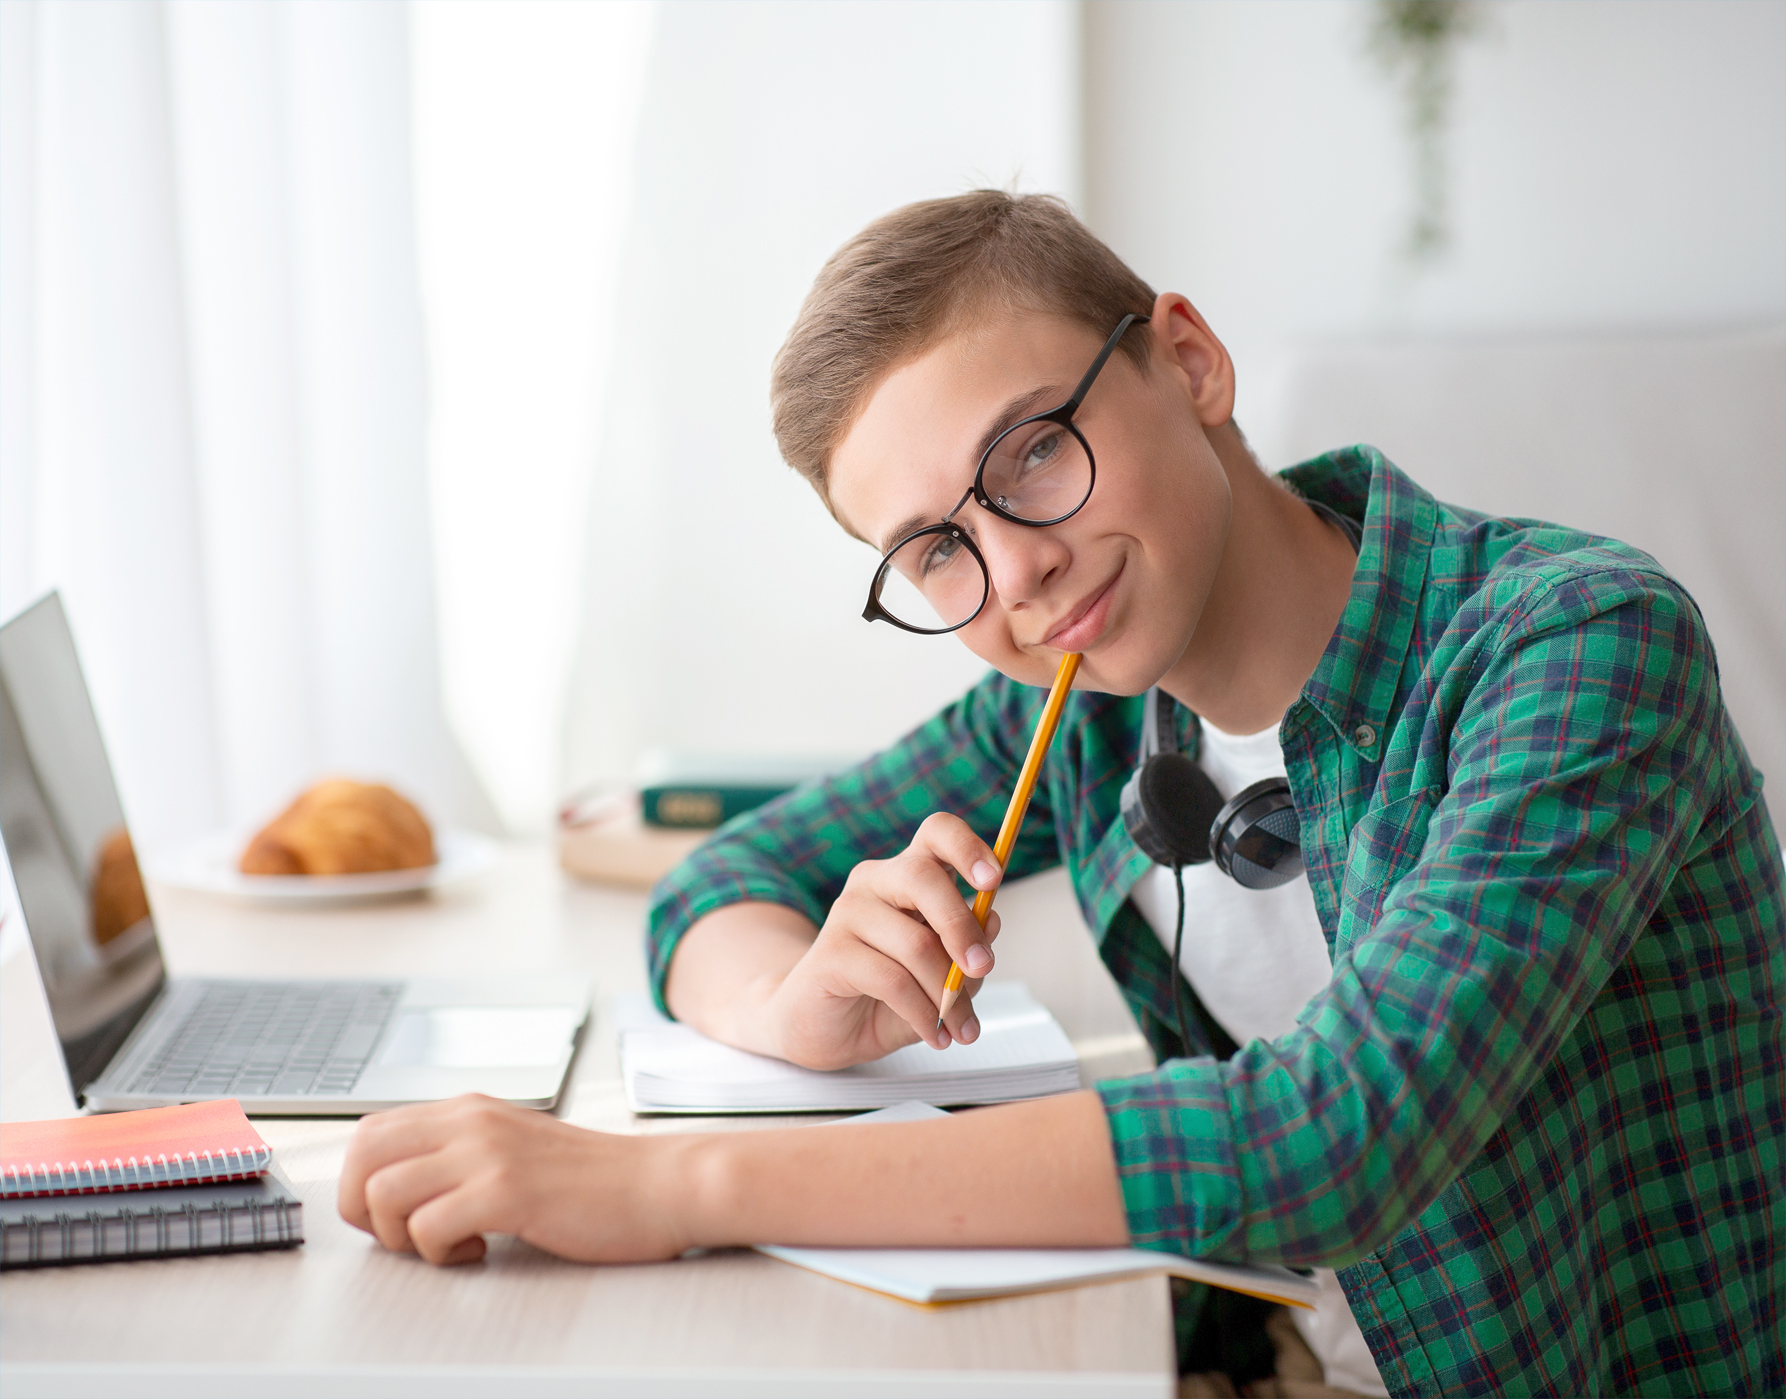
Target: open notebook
933	1275
1021	1053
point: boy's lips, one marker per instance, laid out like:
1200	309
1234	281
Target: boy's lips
1085	623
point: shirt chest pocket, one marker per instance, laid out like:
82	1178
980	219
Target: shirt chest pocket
1382	848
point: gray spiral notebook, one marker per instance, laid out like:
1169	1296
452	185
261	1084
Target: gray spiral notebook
222	1217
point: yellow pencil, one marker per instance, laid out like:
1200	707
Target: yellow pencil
1026	786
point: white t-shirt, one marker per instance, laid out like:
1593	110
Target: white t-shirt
1255	958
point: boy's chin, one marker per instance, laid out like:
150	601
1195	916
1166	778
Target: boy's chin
1114	668
1112	674
1112	680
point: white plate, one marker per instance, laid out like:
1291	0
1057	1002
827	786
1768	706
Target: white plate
208	866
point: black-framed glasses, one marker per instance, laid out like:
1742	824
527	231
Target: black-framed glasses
1037	472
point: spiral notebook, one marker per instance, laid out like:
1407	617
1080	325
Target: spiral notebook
229	1216
143	1150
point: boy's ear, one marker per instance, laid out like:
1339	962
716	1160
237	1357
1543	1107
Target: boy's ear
1188	342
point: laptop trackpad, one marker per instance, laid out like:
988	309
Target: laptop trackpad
481	1037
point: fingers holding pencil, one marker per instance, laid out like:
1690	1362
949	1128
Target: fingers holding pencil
908	913
868	983
1046	724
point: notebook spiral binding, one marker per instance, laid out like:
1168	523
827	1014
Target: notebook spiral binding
132	1173
220	1227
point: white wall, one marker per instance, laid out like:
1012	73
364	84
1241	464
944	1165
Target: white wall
722	603
1599	344
1617	164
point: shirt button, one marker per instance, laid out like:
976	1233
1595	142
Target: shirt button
1364	735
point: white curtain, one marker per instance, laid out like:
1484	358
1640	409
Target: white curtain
212	404
526	112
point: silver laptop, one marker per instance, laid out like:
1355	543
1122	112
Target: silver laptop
132	1037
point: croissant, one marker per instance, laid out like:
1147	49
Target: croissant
342	827
118	899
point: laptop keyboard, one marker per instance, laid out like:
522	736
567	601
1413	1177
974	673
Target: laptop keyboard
258	1040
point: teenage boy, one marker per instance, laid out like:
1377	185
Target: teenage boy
1509	1058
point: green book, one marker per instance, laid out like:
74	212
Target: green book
693	791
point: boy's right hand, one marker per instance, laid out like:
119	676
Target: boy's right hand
871	979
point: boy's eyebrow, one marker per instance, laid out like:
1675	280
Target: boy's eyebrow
1014	412
1011	414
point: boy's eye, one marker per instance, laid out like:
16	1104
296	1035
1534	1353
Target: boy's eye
1028	450
1040	450
942	552
1034	469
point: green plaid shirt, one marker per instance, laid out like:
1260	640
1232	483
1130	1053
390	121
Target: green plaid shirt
1536	1118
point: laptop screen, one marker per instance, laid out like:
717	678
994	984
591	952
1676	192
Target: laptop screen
78	885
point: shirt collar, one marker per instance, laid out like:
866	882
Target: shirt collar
1354	685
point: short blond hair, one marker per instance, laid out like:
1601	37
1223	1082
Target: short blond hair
909	279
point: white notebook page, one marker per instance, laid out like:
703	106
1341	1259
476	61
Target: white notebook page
1021	1053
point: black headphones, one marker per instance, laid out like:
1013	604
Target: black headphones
1174	813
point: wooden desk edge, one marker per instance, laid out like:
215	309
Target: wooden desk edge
198	1381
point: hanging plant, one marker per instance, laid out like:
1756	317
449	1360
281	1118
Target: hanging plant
1416	41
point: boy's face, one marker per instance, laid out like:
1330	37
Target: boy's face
1124	580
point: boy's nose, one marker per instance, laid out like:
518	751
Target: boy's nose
1019	560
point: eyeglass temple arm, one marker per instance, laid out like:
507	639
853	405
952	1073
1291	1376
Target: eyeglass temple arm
1122	328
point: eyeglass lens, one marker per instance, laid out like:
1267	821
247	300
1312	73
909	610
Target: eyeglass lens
1038	472
933	582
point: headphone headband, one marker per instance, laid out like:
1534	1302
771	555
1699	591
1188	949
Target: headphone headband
1175	814
1159	729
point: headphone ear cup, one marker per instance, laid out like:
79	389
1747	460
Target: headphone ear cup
1256	838
1168	807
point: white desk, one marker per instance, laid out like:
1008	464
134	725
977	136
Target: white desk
342	1317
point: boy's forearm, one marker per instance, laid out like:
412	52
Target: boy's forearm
1038	1174
729	963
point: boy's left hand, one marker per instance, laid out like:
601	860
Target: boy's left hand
434	1179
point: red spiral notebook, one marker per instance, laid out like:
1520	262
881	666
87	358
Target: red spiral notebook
148	1149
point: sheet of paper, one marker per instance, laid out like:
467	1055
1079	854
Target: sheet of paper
961	1274
964	1274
